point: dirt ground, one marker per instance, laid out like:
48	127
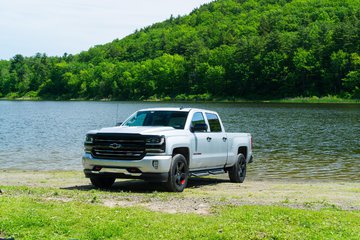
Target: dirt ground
201	194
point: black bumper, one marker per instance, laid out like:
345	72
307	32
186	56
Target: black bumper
151	177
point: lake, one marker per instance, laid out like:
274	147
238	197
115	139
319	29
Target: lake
291	141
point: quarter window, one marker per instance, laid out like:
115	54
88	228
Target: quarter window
214	122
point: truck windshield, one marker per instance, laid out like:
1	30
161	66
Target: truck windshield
175	119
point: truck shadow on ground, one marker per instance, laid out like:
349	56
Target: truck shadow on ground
139	186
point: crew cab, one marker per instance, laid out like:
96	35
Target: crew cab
166	145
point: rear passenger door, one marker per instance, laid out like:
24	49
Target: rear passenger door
217	142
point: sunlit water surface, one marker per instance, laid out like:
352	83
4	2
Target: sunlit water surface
291	141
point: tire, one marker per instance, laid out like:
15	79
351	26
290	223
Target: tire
102	182
178	174
237	173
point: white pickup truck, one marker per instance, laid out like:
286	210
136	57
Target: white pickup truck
166	145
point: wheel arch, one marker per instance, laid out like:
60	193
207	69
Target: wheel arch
243	150
183	151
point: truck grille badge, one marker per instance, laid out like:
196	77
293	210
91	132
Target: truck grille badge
115	146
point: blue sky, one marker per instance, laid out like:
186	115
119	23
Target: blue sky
71	26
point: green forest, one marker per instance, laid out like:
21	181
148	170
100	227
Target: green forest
227	49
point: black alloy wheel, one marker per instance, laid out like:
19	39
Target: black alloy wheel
237	173
178	175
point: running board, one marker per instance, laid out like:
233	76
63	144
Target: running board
207	172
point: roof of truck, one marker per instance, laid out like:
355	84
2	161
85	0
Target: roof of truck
167	109
175	109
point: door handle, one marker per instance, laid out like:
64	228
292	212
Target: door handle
208	139
224	139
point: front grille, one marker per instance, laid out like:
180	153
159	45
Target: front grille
119	146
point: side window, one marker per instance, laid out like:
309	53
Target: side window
197	118
214	122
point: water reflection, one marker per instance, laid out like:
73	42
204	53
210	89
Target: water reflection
291	141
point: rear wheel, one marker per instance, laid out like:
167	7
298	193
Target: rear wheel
102	182
237	173
178	174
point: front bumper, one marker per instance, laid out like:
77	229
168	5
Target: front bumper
152	168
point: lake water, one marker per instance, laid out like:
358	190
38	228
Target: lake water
291	141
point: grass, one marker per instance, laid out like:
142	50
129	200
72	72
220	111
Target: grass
204	98
300	99
315	99
46	213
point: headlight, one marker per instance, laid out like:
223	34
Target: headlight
155	144
156	140
89	139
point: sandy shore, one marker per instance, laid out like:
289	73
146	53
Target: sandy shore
201	194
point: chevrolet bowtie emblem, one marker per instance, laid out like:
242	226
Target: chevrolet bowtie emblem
115	146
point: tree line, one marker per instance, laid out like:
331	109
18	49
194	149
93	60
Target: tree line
249	49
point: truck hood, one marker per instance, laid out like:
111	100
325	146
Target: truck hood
134	130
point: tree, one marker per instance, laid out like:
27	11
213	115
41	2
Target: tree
5	84
305	64
352	80
256	49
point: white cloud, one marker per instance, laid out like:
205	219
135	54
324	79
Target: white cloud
55	27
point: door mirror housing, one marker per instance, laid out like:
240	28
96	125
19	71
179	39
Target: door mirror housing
199	127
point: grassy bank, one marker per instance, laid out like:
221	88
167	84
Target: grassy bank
62	205
201	98
27	217
314	99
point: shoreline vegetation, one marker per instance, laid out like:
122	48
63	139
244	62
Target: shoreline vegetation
204	99
63	205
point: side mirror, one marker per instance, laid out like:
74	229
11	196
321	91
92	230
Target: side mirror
199	127
118	124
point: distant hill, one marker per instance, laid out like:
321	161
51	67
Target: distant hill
250	49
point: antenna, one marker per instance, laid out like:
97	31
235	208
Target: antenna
117	114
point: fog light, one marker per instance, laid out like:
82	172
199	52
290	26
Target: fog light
133	170
97	168
155	164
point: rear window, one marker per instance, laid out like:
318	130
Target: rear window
214	122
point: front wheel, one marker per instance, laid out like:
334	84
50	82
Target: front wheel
237	173
178	174
102	182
